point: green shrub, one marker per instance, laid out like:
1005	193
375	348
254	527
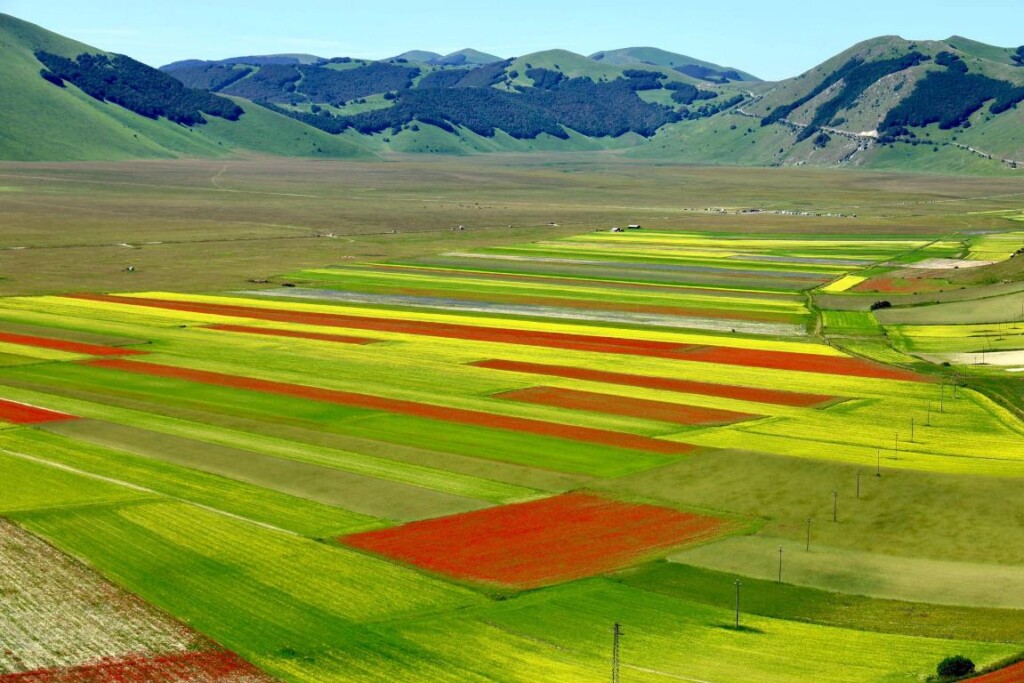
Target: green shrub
955	666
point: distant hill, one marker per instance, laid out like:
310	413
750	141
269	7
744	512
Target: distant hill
421	56
888	103
884	103
467	57
257	60
657	57
43	120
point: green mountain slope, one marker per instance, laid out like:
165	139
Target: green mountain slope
40	121
937	106
656	57
888	103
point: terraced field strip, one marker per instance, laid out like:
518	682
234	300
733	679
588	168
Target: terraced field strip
662	411
271	332
402	407
542	542
64	345
211	666
25	414
772	396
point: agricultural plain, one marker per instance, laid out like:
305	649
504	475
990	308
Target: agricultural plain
389	425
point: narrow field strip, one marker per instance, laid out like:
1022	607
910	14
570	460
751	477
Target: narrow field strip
542	542
18	413
662	411
401	407
375	466
211	666
497	275
271	332
800	362
64	345
576	342
772	396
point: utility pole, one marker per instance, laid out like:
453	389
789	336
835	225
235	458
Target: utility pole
878	462
808	548
858	484
911	430
929	413
896	453
780	564
738	584
616	636
835	506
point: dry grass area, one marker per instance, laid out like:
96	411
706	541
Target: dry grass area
206	225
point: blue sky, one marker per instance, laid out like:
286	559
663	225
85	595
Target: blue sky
771	38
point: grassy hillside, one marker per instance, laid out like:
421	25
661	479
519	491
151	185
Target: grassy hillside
657	57
40	121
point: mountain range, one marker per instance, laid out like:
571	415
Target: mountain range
888	103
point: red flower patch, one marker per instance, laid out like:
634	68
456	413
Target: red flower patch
292	334
542	542
216	666
803	362
1010	674
621	405
401	407
576	342
63	345
24	414
783	398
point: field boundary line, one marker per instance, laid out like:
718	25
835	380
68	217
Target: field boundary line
143	489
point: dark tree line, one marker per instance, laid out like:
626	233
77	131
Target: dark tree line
711	109
857	75
711	75
272	82
328	85
211	77
684	93
949	98
137	87
283	83
594	109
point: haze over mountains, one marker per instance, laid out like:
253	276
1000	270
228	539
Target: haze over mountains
884	103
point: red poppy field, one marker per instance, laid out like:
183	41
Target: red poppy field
573	342
411	408
212	666
292	334
783	398
621	405
63	345
24	414
1011	674
542	542
802	362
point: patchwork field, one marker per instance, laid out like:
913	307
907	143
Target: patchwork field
467	463
63	623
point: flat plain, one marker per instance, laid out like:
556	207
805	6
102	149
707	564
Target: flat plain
437	420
